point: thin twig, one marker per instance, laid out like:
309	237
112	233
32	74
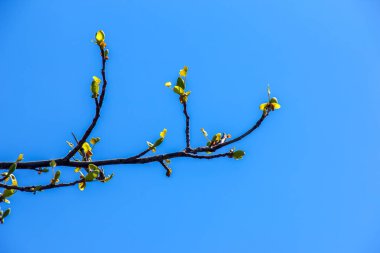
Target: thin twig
141	154
218	146
187	130
36	188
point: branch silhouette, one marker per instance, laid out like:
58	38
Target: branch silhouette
92	170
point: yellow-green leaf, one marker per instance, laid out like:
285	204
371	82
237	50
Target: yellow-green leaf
180	83
158	142
6	213
95	86
238	154
93	141
70	144
82	185
263	106
96	80
77	169
204	132
100	36
57	175
276	106
92	175
93	167
7	193
151	146
12	169
20	157
87	149
178	90
52	163
163	133
183	72
273	100
168	84
14	180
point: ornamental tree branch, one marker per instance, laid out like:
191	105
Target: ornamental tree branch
136	159
93	169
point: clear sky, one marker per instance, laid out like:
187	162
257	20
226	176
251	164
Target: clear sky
310	181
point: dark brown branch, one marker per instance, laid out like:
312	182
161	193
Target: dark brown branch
36	188
137	159
117	161
187	130
97	111
218	146
141	154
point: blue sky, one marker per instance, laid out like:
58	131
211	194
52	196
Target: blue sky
310	181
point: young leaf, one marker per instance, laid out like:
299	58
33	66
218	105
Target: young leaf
12	169
56	176
158	142
93	167
52	163
7	193
70	144
93	141
180	83
6	213
14	180
20	157
163	133
95	86
238	154
92	175
183	72
205	134
178	90
100	36
82	185
168	84
87	149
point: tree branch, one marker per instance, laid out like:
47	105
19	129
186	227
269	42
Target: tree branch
36	188
97	110
93	168
187	130
218	146
137	158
